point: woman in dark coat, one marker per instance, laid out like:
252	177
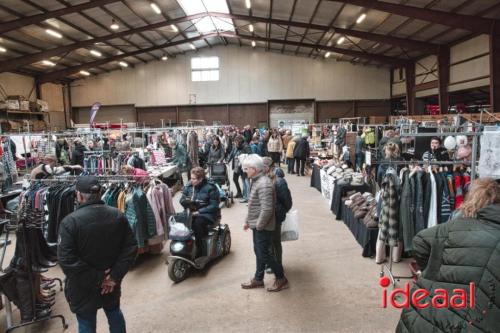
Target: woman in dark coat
452	255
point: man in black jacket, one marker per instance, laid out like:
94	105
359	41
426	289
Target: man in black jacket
96	250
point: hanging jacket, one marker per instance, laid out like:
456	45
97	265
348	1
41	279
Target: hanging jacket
181	158
78	154
452	255
406	211
389	217
419	201
206	198
369	136
93	239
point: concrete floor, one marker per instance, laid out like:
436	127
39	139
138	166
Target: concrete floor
332	287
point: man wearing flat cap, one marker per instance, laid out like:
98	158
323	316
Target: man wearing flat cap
96	250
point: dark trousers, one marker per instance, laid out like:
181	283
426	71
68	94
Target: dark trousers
300	165
360	158
262	241
276	248
87	323
200	229
276	157
236	182
290	162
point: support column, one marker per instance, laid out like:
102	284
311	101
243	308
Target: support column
443	78
495	72
410	88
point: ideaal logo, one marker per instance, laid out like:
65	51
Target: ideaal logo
458	299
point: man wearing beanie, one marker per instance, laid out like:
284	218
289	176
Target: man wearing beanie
96	249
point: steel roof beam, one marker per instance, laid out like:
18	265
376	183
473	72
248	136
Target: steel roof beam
34	19
459	21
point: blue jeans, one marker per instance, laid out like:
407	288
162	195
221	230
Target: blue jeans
246	187
87	323
262	242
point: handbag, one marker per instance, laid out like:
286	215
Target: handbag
290	227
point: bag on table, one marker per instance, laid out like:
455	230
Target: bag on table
290	227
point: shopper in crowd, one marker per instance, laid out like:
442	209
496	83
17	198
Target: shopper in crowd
48	168
452	255
95	251
275	147
247	133
180	159
216	152
261	220
286	138
391	154
301	154
283	204
91	146
202	197
254	145
240	147
208	144
78	154
139	175
359	154
290	159
436	153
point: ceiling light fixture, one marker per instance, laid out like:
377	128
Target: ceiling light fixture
123	64
114	25
3	49
155	8
327	54
85	73
361	18
192	46
164	58
250	27
253	43
248	4
96	53
341	40
174	27
48	63
53	33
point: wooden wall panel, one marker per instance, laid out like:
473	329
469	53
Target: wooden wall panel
248	114
112	113
152	116
373	108
209	113
334	109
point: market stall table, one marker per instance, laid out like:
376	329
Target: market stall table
366	237
316	177
339	191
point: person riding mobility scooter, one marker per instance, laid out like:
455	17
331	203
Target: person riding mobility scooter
206	239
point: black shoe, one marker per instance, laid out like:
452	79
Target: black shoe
298	175
238	195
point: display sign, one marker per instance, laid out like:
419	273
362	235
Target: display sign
93	112
489	163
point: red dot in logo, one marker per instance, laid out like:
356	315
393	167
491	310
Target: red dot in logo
384	281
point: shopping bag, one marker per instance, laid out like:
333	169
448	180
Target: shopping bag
290	227
178	230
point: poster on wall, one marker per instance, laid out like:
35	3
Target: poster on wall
489	163
287	113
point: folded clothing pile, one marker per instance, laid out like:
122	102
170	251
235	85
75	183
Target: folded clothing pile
345	175
364	208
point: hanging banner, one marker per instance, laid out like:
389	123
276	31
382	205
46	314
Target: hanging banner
93	112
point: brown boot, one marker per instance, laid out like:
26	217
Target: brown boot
279	285
252	284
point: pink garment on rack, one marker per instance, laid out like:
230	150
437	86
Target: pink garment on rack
160	198
159	157
140	175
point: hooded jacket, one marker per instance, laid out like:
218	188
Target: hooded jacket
451	255
92	239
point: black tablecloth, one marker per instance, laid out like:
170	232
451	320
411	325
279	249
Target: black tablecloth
339	191
366	237
316	177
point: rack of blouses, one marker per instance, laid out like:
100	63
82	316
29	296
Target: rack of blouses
414	198
102	162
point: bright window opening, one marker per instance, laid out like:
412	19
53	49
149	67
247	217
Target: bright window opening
205	69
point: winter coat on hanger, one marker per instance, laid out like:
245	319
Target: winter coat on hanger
389	217
452	255
181	158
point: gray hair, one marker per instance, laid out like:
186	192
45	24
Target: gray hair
253	161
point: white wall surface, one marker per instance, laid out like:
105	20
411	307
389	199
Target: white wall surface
246	76
15	84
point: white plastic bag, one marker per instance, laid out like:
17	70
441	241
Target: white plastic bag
290	227
177	230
